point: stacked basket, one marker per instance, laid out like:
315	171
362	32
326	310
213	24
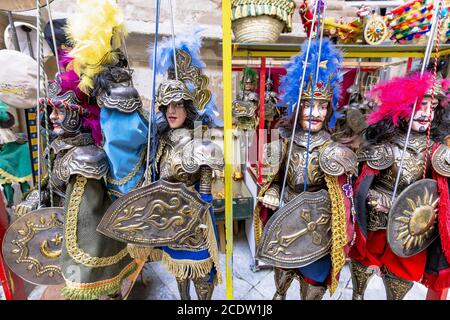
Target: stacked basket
261	20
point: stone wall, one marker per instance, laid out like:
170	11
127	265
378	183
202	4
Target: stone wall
207	14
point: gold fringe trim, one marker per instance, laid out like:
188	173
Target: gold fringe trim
94	290
139	252
71	228
338	230
213	247
9	178
192	269
186	269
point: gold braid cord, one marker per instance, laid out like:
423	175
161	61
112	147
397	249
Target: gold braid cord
338	230
127	178
70	234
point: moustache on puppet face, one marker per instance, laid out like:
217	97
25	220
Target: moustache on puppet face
422	118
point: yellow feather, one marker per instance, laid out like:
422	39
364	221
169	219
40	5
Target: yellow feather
94	31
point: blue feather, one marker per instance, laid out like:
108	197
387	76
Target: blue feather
191	43
290	83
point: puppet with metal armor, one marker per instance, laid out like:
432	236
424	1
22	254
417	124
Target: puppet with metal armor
306	238
404	234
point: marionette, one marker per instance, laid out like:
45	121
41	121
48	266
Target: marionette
402	210
170	220
245	107
306	238
15	165
123	121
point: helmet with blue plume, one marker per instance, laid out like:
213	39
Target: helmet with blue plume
325	88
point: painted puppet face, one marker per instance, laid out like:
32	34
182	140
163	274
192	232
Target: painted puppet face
57	117
318	115
176	114
424	115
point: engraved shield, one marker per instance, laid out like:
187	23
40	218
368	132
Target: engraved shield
161	213
32	246
299	233
412	224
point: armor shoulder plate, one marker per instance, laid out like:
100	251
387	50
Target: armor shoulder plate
88	161
201	152
441	160
378	156
122	98
336	159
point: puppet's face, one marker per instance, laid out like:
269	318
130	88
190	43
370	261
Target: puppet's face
424	115
248	85
57	118
176	114
318	115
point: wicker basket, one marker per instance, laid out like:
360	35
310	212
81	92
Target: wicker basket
257	29
20	5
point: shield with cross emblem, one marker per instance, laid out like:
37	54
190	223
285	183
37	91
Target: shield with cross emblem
299	233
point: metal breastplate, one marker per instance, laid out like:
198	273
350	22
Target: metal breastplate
170	157
296	169
412	165
77	155
383	186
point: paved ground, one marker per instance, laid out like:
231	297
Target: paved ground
248	285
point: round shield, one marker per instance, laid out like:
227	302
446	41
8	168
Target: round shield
18	79
21	5
32	246
26	35
412	224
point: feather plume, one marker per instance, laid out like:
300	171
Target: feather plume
189	42
397	96
95	32
329	74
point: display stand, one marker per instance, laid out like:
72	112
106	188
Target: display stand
283	50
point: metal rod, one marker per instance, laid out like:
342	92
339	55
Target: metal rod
424	64
302	82
52	29
172	28
153	92
262	93
316	76
30	45
13	31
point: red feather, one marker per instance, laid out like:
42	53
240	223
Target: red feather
397	96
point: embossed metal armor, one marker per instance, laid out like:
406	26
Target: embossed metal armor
120	93
244	110
306	213
32	246
386	158
76	155
180	156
